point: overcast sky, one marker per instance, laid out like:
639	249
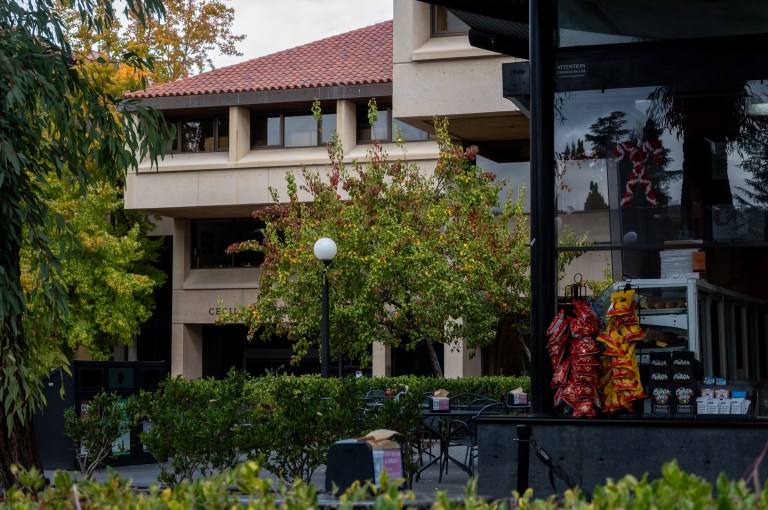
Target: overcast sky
278	25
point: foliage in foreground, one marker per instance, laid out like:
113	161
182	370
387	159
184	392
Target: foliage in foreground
676	489
56	122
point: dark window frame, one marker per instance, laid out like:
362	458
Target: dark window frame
363	124
176	144
436	30
204	243
322	138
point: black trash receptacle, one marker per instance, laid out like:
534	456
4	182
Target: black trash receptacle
362	460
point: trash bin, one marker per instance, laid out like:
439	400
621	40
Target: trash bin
125	378
363	460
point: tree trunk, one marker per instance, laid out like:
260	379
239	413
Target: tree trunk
18	448
433	359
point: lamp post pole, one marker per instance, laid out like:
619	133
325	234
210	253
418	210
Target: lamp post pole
325	250
325	347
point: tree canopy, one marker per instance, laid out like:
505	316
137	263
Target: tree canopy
179	43
423	256
56	122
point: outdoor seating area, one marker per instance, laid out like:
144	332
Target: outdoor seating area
454	431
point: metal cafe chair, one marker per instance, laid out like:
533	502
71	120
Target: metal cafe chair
464	434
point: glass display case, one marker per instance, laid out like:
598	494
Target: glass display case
725	330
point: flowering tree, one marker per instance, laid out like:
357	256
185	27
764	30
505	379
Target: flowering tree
423	257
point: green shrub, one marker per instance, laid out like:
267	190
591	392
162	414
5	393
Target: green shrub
94	431
675	489
299	418
200	426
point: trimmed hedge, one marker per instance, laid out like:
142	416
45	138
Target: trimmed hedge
290	422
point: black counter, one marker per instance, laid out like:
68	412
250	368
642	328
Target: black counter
593	450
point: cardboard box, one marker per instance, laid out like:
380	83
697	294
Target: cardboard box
685	393
701	405
520	398
387	455
699	261
661	394
440	404
724	406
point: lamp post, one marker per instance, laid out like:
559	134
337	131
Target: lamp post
325	250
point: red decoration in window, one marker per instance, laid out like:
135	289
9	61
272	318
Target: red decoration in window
638	155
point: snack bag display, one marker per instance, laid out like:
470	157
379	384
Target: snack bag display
621	375
575	357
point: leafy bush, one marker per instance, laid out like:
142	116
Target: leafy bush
201	426
94	431
290	422
676	489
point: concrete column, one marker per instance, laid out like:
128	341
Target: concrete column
346	124
453	362
239	133
461	361
382	360
187	350
186	339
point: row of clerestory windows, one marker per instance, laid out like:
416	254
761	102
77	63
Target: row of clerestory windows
288	130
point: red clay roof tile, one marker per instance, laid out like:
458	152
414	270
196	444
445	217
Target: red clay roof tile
352	58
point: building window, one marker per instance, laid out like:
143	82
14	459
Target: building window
444	22
386	130
211	238
291	130
201	135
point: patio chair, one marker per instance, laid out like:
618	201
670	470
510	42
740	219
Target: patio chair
464	434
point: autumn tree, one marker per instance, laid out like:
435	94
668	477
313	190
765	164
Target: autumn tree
109	276
56	122
180	43
423	257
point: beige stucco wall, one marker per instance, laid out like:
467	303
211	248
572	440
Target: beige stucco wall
426	70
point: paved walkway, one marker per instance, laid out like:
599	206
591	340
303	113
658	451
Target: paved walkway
453	483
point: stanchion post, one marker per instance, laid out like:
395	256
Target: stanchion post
523	456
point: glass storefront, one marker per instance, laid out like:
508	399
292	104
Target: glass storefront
646	169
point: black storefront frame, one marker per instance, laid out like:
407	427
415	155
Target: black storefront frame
523	83
535	82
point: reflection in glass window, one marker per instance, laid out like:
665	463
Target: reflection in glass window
291	130
517	177
210	239
444	22
200	135
622	21
300	131
655	167
385	130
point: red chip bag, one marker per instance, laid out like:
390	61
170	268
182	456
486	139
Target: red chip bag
581	328
584	408
556	322
560	375
584	311
584	347
585	360
623	373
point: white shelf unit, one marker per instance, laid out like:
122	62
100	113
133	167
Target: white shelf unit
726	330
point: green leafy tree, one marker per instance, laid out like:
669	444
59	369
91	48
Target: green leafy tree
109	278
94	431
422	257
56	121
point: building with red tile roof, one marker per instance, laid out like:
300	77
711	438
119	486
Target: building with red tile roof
359	57
241	129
